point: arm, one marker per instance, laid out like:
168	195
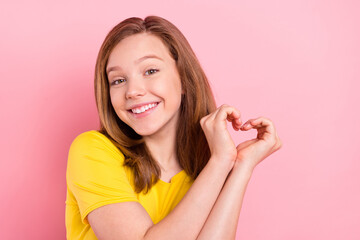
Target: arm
223	219
129	220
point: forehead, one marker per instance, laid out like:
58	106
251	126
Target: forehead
136	46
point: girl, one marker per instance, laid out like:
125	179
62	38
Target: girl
163	164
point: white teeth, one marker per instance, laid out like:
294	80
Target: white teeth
143	108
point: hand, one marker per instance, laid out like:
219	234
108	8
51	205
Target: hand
220	142
252	152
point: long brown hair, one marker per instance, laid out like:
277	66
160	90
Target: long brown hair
197	101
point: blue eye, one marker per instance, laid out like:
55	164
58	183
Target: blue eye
117	81
151	71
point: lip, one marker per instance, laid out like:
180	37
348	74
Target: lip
143	114
140	105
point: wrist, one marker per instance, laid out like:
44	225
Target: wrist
221	164
242	169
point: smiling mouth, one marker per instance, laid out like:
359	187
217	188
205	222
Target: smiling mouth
143	108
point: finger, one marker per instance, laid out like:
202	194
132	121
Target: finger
228	113
247	125
263	122
236	122
258	123
264	126
231	118
236	115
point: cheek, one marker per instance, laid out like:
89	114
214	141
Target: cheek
117	102
169	89
177	89
116	98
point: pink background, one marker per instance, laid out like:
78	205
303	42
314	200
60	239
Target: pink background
296	62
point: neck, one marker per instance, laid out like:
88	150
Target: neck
162	147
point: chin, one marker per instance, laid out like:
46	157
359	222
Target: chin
145	132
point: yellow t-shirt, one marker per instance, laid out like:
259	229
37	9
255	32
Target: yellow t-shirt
96	177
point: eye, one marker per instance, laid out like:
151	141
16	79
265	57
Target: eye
151	71
117	81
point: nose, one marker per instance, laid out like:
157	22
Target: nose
135	89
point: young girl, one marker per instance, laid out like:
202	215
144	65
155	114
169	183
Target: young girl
163	164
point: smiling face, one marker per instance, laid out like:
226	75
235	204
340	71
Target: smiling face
145	86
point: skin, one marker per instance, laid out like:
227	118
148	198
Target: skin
153	79
211	207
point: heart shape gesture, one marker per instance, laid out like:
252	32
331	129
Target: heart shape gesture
247	154
252	152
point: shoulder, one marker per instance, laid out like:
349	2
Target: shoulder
95	173
93	140
93	145
91	137
92	156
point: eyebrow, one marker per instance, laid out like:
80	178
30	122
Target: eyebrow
136	62
146	57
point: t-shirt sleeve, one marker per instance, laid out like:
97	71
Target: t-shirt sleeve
95	173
